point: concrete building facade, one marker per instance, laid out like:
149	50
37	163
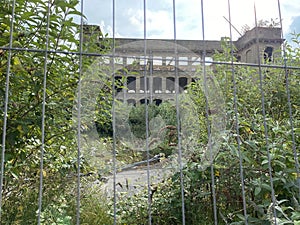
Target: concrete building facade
154	70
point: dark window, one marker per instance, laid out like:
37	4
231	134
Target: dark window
118	83
143	101
182	83
131	86
268	54
131	101
157	85
170	84
157	101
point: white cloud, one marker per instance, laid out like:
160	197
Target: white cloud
130	23
159	24
135	17
107	29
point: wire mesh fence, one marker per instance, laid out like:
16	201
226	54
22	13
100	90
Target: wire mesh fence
109	130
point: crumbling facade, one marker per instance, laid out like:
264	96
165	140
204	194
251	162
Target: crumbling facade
157	69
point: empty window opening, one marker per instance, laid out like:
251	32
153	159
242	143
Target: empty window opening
106	59
157	60
170	85
142	85
196	61
118	83
132	60
143	60
143	101
268	54
131	102
157	101
182	83
131	84
170	61
157	85
183	61
118	60
208	61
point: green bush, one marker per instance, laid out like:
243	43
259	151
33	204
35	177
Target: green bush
95	205
253	150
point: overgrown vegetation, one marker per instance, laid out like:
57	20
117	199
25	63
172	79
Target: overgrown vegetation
23	134
166	199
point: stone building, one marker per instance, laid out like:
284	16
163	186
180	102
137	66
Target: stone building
150	67
269	44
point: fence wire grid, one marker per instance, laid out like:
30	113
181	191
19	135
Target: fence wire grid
99	129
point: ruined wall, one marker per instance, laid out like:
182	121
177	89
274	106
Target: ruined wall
266	37
160	61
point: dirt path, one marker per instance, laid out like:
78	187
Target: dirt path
135	179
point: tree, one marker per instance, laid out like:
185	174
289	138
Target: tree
23	133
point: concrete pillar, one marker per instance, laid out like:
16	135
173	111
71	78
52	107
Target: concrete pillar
150	88
164	60
125	84
138	84
189	80
163	85
189	60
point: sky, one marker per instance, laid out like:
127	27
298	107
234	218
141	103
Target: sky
129	17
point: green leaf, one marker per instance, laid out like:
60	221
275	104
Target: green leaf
266	186
257	191
265	161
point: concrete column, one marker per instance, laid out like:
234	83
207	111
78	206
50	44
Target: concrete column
150	88
163	84
189	80
189	60
138	84
164	60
